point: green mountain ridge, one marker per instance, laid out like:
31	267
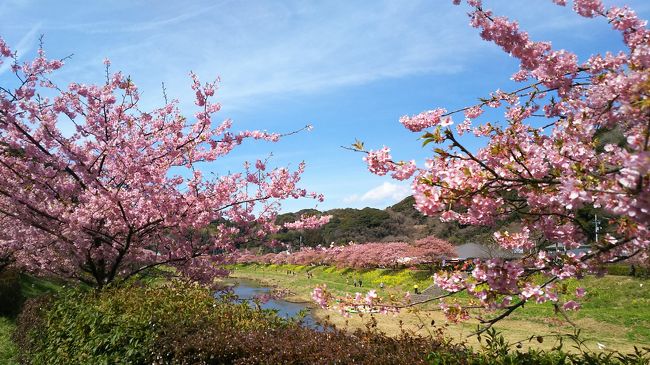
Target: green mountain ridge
399	222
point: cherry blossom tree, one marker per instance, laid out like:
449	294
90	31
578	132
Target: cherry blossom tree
360	255
9	248
575	143
306	222
95	189
436	247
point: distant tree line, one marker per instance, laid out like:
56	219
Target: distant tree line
400	222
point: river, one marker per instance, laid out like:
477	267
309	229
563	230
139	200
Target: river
249	289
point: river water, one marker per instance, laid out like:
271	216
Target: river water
249	289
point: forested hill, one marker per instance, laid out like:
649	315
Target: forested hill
400	222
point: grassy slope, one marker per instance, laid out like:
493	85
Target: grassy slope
7	348
615	311
613	303
30	287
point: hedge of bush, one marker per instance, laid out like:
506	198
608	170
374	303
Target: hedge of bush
183	324
290	344
121	325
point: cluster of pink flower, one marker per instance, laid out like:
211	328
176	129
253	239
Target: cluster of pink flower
308	222
359	303
547	162
366	255
92	188
424	120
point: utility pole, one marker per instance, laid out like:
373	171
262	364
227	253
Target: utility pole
596	226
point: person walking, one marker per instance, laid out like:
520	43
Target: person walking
416	289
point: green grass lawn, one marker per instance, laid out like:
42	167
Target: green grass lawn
339	281
615	300
615	311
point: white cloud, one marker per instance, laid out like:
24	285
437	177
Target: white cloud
381	193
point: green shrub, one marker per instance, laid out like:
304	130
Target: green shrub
120	325
184	324
179	323
298	345
291	344
31	320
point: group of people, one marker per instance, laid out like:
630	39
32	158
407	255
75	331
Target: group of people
293	273
356	282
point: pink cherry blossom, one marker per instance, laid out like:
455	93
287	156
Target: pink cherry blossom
588	8
516	240
308	222
379	161
473	112
123	191
545	165
424	120
571	305
363	255
404	170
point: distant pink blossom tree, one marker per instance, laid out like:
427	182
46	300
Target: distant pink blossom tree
361	255
576	137
305	222
437	248
95	189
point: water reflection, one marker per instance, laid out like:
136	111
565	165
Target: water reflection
248	289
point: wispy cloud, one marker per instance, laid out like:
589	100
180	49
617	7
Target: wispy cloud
24	45
296	49
384	193
145	25
263	49
350	67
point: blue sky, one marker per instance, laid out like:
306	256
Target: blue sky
350	68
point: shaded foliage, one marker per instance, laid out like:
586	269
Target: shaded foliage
11	296
289	345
